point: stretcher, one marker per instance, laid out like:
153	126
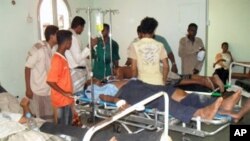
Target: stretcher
244	81
152	119
127	111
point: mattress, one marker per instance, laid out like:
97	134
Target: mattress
244	83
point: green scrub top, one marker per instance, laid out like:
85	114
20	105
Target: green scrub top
102	60
164	42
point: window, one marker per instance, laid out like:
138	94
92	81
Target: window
54	12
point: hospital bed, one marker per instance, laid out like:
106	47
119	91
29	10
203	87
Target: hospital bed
151	119
121	114
240	80
25	134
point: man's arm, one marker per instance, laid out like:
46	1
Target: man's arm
165	69
28	92
76	52
172	59
134	67
54	86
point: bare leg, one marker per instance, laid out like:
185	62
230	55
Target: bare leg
216	79
25	105
209	111
108	98
199	80
112	99
245	109
229	102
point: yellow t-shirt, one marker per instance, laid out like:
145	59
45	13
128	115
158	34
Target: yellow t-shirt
148	53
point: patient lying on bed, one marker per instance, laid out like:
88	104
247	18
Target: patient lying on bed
187	82
188	105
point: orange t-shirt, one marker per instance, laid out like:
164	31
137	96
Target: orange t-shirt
60	74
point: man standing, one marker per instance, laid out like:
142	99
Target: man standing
76	56
102	54
36	71
189	47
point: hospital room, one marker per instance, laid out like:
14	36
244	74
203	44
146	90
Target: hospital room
115	70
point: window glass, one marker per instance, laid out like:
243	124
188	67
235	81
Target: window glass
49	11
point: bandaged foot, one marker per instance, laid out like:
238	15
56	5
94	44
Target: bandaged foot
122	105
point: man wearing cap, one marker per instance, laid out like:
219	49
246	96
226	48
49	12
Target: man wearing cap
191	51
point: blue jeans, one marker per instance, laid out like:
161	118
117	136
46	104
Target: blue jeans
64	115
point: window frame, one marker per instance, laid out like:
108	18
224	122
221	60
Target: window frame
54	12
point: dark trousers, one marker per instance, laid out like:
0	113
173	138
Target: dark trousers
223	74
64	115
135	91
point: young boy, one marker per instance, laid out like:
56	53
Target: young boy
59	79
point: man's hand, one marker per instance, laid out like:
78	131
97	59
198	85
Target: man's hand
195	71
29	93
94	42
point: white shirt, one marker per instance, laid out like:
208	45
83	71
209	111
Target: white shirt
75	56
38	60
226	63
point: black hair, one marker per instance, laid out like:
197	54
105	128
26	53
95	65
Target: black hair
192	25
77	21
138	29
106	26
62	36
224	43
148	25
50	30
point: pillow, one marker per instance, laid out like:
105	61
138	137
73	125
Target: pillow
9	103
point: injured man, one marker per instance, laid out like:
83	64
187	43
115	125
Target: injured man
182	106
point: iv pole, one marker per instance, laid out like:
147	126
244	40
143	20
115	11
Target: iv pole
111	12
89	11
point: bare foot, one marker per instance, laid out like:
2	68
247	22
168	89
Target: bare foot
24	102
236	117
22	120
217	81
209	111
229	102
113	139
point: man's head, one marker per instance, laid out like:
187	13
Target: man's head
50	33
77	24
224	47
192	30
139	33
148	25
64	39
106	29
